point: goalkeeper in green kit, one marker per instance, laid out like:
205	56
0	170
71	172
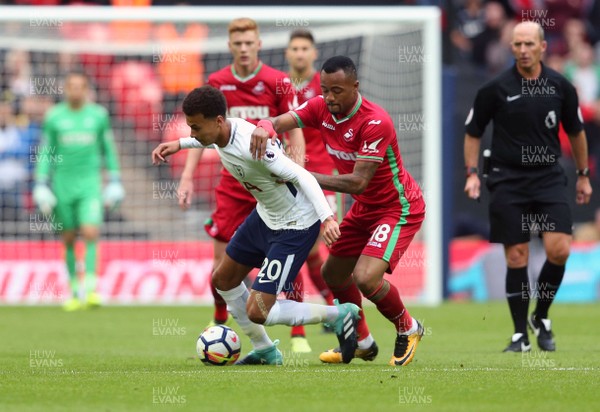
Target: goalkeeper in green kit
77	142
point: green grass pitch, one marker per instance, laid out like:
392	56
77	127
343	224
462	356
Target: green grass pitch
143	358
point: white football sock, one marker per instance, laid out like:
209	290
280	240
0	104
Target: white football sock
366	342
413	328
236	299
292	313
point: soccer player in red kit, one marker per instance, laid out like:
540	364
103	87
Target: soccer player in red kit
388	209
253	91
301	54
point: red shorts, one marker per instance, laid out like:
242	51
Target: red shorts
234	204
380	233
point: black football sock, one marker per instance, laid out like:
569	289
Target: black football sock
517	294
549	281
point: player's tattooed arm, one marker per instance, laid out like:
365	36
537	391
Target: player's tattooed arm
353	183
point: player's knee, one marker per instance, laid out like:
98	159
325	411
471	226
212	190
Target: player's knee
558	254
367	282
219	281
517	256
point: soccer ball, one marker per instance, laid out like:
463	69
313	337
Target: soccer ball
218	345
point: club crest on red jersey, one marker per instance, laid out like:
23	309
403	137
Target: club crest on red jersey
259	88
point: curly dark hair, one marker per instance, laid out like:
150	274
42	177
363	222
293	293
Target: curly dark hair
205	100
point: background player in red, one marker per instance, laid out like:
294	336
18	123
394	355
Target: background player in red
253	91
301	54
388	209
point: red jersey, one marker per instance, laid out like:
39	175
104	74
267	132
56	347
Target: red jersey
366	134
317	159
266	92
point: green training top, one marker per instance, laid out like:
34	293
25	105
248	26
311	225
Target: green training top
74	143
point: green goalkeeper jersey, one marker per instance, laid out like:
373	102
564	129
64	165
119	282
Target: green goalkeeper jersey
75	143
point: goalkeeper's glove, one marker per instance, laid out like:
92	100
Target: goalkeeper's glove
44	198
113	194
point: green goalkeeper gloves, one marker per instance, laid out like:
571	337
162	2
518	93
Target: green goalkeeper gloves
43	198
113	194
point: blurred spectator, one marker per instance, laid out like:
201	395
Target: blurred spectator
469	23
491	48
137	97
552	15
180	71
574	33
13	164
17	72
584	73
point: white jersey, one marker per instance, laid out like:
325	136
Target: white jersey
297	204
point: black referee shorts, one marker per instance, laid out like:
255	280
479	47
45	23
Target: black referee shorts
527	201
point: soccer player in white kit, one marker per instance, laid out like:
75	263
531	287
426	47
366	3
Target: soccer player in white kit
277	236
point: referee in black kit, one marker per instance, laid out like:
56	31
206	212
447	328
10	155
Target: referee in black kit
527	185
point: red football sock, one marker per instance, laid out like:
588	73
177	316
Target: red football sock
297	294
314	263
387	299
220	306
349	292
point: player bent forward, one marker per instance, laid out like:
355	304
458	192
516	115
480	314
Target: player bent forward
277	236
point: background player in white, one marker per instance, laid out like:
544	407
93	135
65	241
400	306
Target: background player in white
277	235
251	91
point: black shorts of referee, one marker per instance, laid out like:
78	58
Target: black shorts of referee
527	201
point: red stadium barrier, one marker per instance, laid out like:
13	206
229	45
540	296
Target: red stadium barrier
144	272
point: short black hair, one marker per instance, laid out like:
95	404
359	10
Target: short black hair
205	100
302	34
335	63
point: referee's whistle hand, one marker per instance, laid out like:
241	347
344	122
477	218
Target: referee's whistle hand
258	143
473	186
583	190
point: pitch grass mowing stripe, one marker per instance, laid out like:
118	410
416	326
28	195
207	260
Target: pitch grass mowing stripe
143	358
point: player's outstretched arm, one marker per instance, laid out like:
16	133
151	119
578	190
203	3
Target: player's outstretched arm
353	183
583	188
163	150
297	146
471	153
269	128
186	182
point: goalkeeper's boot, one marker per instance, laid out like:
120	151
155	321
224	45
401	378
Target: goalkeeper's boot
542	328
518	343
93	300
335	355
228	322
406	345
345	329
268	356
72	305
300	344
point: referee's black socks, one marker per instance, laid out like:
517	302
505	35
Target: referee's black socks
517	294
548	283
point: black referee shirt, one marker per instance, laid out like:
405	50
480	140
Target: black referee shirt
526	115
